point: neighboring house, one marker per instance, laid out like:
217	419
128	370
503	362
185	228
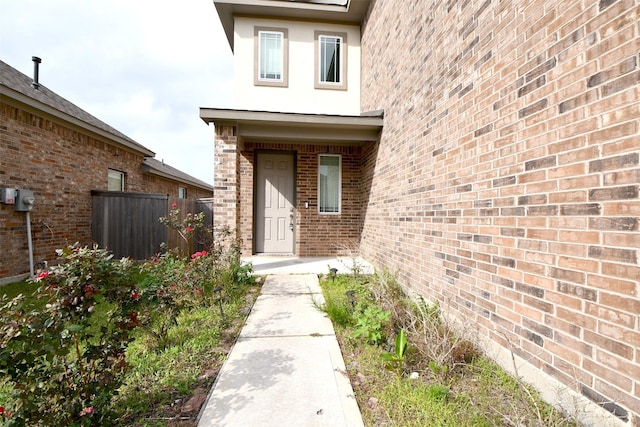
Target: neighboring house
60	152
502	181
164	179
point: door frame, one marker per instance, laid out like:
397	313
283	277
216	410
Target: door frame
256	154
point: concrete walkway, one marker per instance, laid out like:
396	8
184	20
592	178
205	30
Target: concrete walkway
286	368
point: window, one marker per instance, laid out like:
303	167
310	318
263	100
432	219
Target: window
329	183
115	180
182	193
331	60
271	57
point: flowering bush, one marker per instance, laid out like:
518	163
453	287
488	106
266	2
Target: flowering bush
67	360
189	228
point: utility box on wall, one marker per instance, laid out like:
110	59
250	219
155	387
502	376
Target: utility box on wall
7	196
24	201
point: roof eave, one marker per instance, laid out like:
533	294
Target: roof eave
145	168
296	127
353	13
26	100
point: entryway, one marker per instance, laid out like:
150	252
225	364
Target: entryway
274	209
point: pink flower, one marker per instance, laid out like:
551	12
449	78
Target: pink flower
189	214
1	410
135	295
87	411
42	275
199	254
198	291
175	205
188	229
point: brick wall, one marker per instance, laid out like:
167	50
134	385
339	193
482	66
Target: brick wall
226	192
316	235
506	181
61	165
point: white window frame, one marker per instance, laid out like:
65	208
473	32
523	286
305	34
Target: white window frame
283	81
339	211
113	174
182	192
342	84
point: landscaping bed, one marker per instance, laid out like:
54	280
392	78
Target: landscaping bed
409	367
97	341
101	342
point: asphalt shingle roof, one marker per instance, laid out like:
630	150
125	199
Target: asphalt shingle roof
15	80
157	167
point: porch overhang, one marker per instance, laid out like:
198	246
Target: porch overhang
298	127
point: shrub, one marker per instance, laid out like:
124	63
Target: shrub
190	228
174	282
67	360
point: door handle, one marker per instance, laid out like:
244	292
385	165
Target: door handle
291	219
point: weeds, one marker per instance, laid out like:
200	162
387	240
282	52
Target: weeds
370	324
452	383
395	359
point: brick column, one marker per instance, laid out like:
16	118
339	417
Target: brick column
226	195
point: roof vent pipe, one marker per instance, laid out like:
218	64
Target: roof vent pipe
36	64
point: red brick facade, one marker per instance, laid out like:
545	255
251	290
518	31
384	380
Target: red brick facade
506	181
61	164
316	234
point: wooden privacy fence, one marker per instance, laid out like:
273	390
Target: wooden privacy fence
128	225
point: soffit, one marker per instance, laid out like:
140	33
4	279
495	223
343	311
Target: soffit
342	11
296	127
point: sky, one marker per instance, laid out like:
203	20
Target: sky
144	67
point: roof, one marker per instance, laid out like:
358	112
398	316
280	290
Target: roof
17	86
160	168
342	11
298	127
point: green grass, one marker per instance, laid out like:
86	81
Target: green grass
159	378
23	287
478	393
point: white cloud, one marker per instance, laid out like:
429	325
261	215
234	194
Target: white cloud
144	66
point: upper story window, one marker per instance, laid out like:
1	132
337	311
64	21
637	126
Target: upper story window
271	57
331	60
115	180
182	193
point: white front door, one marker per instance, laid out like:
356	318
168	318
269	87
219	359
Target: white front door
275	221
